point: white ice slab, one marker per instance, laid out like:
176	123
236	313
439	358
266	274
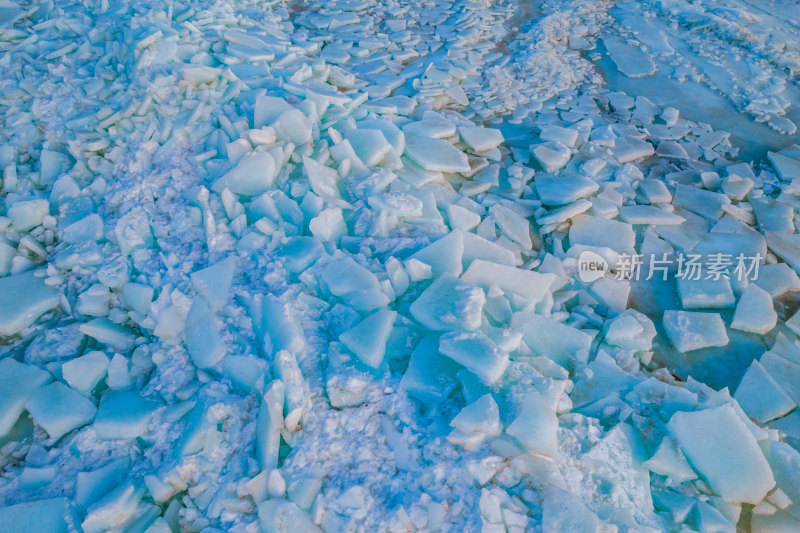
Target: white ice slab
690	330
436	154
24	297
721	448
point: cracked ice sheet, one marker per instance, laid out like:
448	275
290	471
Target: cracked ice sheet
231	237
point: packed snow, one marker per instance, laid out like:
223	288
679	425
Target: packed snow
452	265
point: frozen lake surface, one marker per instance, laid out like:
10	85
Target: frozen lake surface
452	265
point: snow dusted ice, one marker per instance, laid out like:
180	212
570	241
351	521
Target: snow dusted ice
452	265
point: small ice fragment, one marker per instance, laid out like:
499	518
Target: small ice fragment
269	425
329	225
107	332
481	416
528	284
369	144
367	339
436	154
668	460
27	214
480	139
536	425
551	155
203	336
476	352
252	175
449	303
214	282
444	255
690	330
281	516
760	396
461	218
86	371
755	312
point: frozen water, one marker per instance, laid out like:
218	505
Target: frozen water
322	266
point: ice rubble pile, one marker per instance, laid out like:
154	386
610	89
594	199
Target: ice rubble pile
232	243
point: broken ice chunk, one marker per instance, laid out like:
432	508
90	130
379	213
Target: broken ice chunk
252	175
280	328
436	154
481	416
669	461
690	330
630	60
345	275
369	144
552	132
546	336
599	232
561	190
536	426
37	516
123	415
705	293
203	336
461	218
755	312
476	247
113	510
786	246
628	148
268	109
27	214
281	516
24	297
295	125
631	330
107	332
516	227
430	376
707	204
528	284
760	396
449	303
329	225
719	445
86	371
476	352
296	393
18	382
59	409
269	425
444	255
367	339
649	214
551	155
432	126
214	282
480	139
